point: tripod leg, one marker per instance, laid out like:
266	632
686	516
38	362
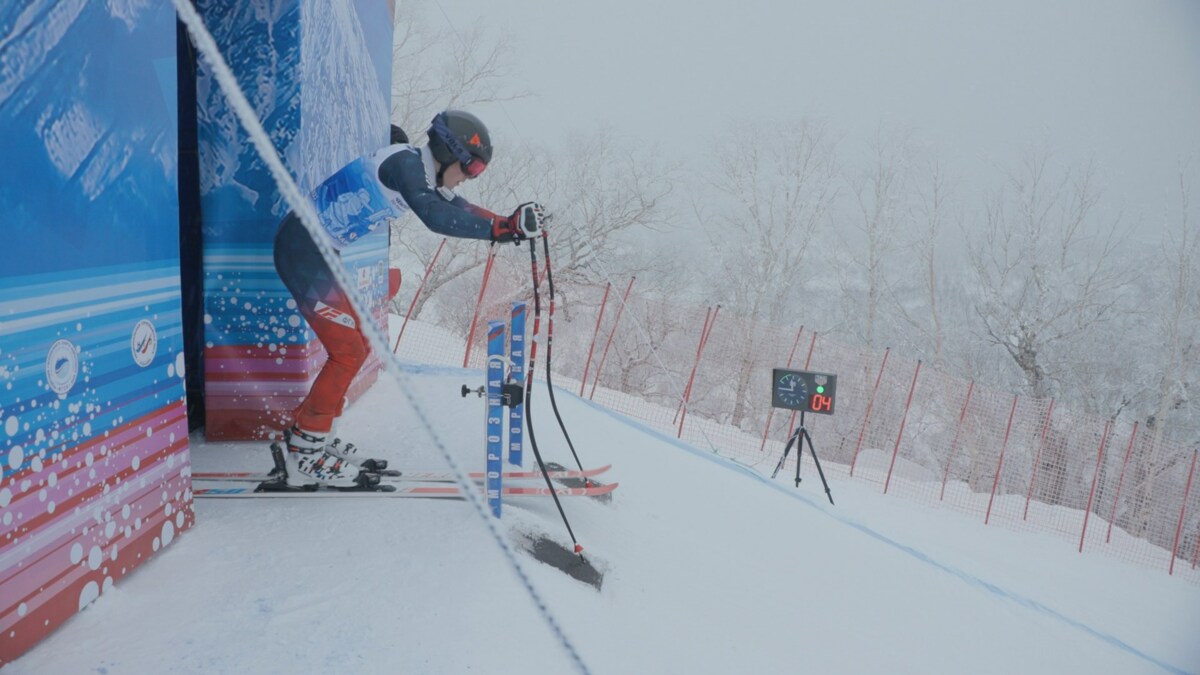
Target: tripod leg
818	463
800	434
786	449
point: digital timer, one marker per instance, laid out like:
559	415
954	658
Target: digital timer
803	390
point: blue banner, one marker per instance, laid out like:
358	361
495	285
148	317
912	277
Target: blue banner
495	413
89	137
516	353
91	333
94	458
318	74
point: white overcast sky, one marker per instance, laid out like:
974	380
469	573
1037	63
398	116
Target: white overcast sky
1113	80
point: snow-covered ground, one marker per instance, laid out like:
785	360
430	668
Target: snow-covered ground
710	568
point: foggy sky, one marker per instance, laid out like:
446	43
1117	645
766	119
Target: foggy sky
1114	81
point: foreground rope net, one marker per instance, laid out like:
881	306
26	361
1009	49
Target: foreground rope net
303	208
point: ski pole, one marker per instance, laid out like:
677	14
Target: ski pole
537	319
549	351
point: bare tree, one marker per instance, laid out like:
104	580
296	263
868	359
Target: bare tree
597	190
1177	328
600	194
603	194
1173	345
645	352
433	70
881	202
1047	269
931	212
772	187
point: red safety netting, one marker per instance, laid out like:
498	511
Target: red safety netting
702	374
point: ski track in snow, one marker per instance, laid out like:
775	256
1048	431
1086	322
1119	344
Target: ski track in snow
699	558
916	553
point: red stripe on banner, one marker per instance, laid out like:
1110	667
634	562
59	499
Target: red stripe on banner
251	391
96	488
253	363
253	415
256	351
146	507
31	618
167	415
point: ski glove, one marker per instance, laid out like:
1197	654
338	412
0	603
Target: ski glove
524	223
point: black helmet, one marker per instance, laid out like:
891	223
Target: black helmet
458	136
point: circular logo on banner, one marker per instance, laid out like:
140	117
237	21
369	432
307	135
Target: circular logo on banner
62	366
143	342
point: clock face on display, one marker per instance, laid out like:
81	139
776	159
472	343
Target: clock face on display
791	391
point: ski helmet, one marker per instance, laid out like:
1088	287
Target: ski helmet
458	136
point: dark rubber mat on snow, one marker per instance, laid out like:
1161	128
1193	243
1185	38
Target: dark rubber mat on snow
562	558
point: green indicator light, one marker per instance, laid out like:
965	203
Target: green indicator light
820	390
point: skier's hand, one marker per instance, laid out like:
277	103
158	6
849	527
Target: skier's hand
524	223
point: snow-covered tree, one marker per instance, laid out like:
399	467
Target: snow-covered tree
922	309
873	237
1047	269
771	187
435	69
1176	328
605	196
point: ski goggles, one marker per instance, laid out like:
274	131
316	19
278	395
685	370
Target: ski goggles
472	166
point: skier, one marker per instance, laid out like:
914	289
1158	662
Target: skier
359	197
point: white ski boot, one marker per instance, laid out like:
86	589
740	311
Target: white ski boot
350	452
310	464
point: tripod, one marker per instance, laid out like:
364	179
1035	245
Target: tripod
798	438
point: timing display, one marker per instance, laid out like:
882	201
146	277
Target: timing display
803	390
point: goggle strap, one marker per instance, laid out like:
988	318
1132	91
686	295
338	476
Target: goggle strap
464	156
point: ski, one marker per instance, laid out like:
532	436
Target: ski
419	476
426	491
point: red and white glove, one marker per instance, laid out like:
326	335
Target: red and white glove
524	223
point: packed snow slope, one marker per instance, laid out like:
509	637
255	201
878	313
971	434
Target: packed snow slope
710	568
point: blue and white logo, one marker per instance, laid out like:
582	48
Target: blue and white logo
62	367
143	343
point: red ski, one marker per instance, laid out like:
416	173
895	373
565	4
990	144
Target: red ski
415	476
427	491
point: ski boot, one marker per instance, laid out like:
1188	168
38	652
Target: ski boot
349	452
307	466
